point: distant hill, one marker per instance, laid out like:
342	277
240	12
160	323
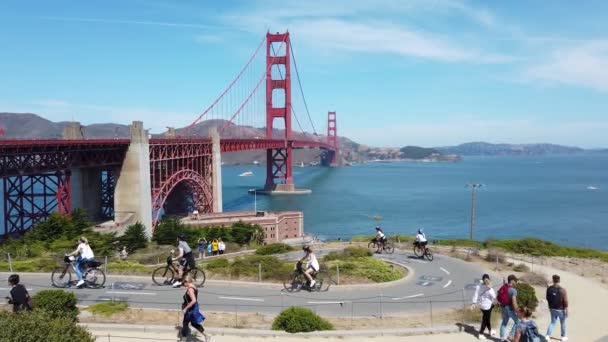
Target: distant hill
487	149
415	152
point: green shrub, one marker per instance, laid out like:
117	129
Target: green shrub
357	252
216	264
134	237
240	233
108	308
40	326
526	296
42	264
521	268
460	243
295	319
128	267
57	303
274	248
272	268
538	247
362	238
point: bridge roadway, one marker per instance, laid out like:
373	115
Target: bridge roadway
444	283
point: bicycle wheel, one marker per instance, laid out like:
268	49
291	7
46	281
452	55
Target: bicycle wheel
372	244
61	277
94	278
429	255
198	277
389	249
163	276
294	282
418	251
324	281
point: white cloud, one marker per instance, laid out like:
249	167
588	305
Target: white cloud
577	133
584	64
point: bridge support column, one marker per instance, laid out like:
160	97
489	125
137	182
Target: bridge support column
85	185
133	192
216	172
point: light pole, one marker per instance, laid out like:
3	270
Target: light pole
474	187
255	199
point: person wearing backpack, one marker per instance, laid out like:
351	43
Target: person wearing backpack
507	298
558	306
526	330
484	298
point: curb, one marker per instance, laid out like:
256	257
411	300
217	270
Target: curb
133	328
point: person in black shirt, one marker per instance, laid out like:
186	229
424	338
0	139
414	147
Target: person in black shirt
19	297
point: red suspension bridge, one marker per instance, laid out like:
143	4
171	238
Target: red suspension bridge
136	179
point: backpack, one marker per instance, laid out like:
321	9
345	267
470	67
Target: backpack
503	295
554	297
530	334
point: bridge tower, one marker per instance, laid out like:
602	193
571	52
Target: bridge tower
278	161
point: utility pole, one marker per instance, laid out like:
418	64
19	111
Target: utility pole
474	187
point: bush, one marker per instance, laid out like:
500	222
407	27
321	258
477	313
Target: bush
533	278
272	268
241	233
526	296
493	255
274	248
42	264
538	247
295	319
460	243
351	252
40	326
521	268
108	308
128	267
135	237
217	264
57	303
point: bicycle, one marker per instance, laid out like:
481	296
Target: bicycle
93	276
165	275
297	281
422	251
387	247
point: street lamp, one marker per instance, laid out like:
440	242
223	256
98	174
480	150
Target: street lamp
474	187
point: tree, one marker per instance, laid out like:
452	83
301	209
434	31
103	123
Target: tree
135	237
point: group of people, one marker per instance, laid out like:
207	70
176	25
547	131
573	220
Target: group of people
214	247
380	239
524	328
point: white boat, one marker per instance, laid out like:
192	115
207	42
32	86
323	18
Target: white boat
592	188
302	164
246	174
255	162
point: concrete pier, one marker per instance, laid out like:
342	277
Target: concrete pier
132	196
216	172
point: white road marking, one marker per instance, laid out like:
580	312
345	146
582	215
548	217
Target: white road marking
8	288
132	293
412	296
239	298
325	302
448	284
444	270
418	261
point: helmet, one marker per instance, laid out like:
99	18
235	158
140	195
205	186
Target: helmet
306	248
378	228
182	236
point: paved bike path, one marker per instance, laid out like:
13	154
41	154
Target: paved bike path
444	282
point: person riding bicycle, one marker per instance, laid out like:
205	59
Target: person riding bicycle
421	240
82	254
185	259
310	264
380	239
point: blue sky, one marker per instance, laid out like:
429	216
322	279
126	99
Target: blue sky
398	72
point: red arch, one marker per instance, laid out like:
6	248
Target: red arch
199	185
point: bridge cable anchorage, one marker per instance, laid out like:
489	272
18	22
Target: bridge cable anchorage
293	56
292	110
187	129
252	92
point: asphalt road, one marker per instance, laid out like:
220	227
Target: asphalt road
443	283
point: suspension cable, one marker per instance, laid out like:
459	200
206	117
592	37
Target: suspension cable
292	110
301	90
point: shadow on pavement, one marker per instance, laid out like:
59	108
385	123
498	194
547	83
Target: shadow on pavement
471	330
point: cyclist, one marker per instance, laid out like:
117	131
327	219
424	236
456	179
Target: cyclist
184	257
311	264
380	238
83	254
421	240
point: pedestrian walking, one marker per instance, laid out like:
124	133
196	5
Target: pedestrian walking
507	298
202	248
221	246
124	254
215	247
484	298
558	306
19	297
526	330
191	310
209	251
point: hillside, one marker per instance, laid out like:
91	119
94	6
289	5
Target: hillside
487	149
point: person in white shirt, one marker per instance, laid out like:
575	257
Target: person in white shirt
311	264
83	254
221	246
421	240
380	238
484	298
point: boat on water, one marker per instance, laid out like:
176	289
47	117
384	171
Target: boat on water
246	174
592	188
302	164
255	162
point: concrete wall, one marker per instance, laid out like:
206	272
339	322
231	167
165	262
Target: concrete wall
133	192
216	173
85	187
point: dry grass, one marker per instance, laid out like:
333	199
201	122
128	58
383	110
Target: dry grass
535	278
